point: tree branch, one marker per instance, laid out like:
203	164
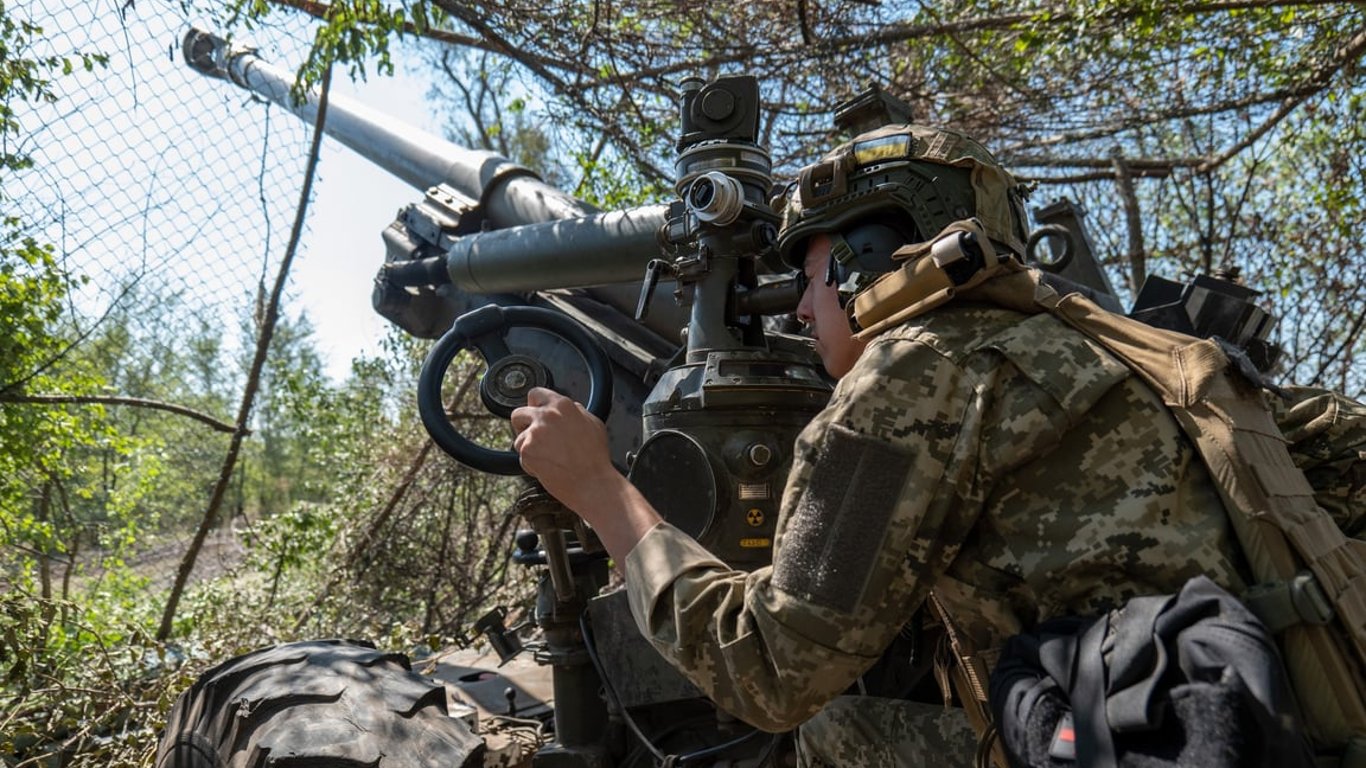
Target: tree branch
1148	118
1147	173
263	338
573	93
1138	164
322	10
1133	220
904	32
136	402
1315	83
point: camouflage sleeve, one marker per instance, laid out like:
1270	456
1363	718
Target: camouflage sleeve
1326	432
878	500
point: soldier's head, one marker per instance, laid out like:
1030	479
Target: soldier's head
898	185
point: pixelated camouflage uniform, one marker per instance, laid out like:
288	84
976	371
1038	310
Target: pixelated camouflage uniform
1326	432
1000	459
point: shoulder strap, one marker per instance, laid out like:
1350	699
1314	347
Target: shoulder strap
1270	504
967	673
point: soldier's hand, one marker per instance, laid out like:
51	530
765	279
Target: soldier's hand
562	445
565	447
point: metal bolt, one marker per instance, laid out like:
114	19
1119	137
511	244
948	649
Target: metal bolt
514	379
760	454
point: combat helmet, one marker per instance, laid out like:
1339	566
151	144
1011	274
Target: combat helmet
894	186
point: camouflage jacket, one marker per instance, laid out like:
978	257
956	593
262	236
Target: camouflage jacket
1326	432
1000	459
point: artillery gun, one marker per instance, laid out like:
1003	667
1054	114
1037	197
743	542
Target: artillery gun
654	317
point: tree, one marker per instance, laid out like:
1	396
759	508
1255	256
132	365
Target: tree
34	481
296	432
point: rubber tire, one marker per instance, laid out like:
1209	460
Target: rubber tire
334	703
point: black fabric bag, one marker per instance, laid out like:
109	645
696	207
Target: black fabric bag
1191	680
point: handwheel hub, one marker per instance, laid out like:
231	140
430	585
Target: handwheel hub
507	382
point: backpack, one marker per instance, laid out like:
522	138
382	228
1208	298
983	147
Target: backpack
1310	577
1190	680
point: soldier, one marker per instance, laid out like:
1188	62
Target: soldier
978	457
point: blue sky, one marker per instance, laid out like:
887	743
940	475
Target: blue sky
354	202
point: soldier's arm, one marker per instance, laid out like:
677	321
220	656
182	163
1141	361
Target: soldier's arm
881	494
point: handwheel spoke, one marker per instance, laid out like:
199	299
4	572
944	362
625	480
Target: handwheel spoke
492	346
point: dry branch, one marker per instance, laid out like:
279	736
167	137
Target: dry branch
322	11
258	363
136	402
1133	221
1315	83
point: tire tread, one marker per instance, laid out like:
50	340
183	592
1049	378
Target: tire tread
334	703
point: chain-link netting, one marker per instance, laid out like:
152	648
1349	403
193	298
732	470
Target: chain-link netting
169	201
170	198
149	178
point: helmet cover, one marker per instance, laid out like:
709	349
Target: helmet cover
927	177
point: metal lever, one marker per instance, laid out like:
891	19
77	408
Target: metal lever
493	626
647	288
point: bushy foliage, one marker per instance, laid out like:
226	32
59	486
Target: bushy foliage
349	524
404	543
96	497
34	478
71	666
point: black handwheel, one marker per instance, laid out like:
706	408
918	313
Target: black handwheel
508	379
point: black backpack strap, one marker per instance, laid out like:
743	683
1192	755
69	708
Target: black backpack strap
1138	664
1095	747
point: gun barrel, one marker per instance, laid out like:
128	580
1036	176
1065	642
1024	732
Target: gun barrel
593	250
511	194
537	237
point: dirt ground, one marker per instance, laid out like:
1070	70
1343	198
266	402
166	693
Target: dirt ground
224	549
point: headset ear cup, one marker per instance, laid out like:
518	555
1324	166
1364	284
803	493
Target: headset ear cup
872	243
